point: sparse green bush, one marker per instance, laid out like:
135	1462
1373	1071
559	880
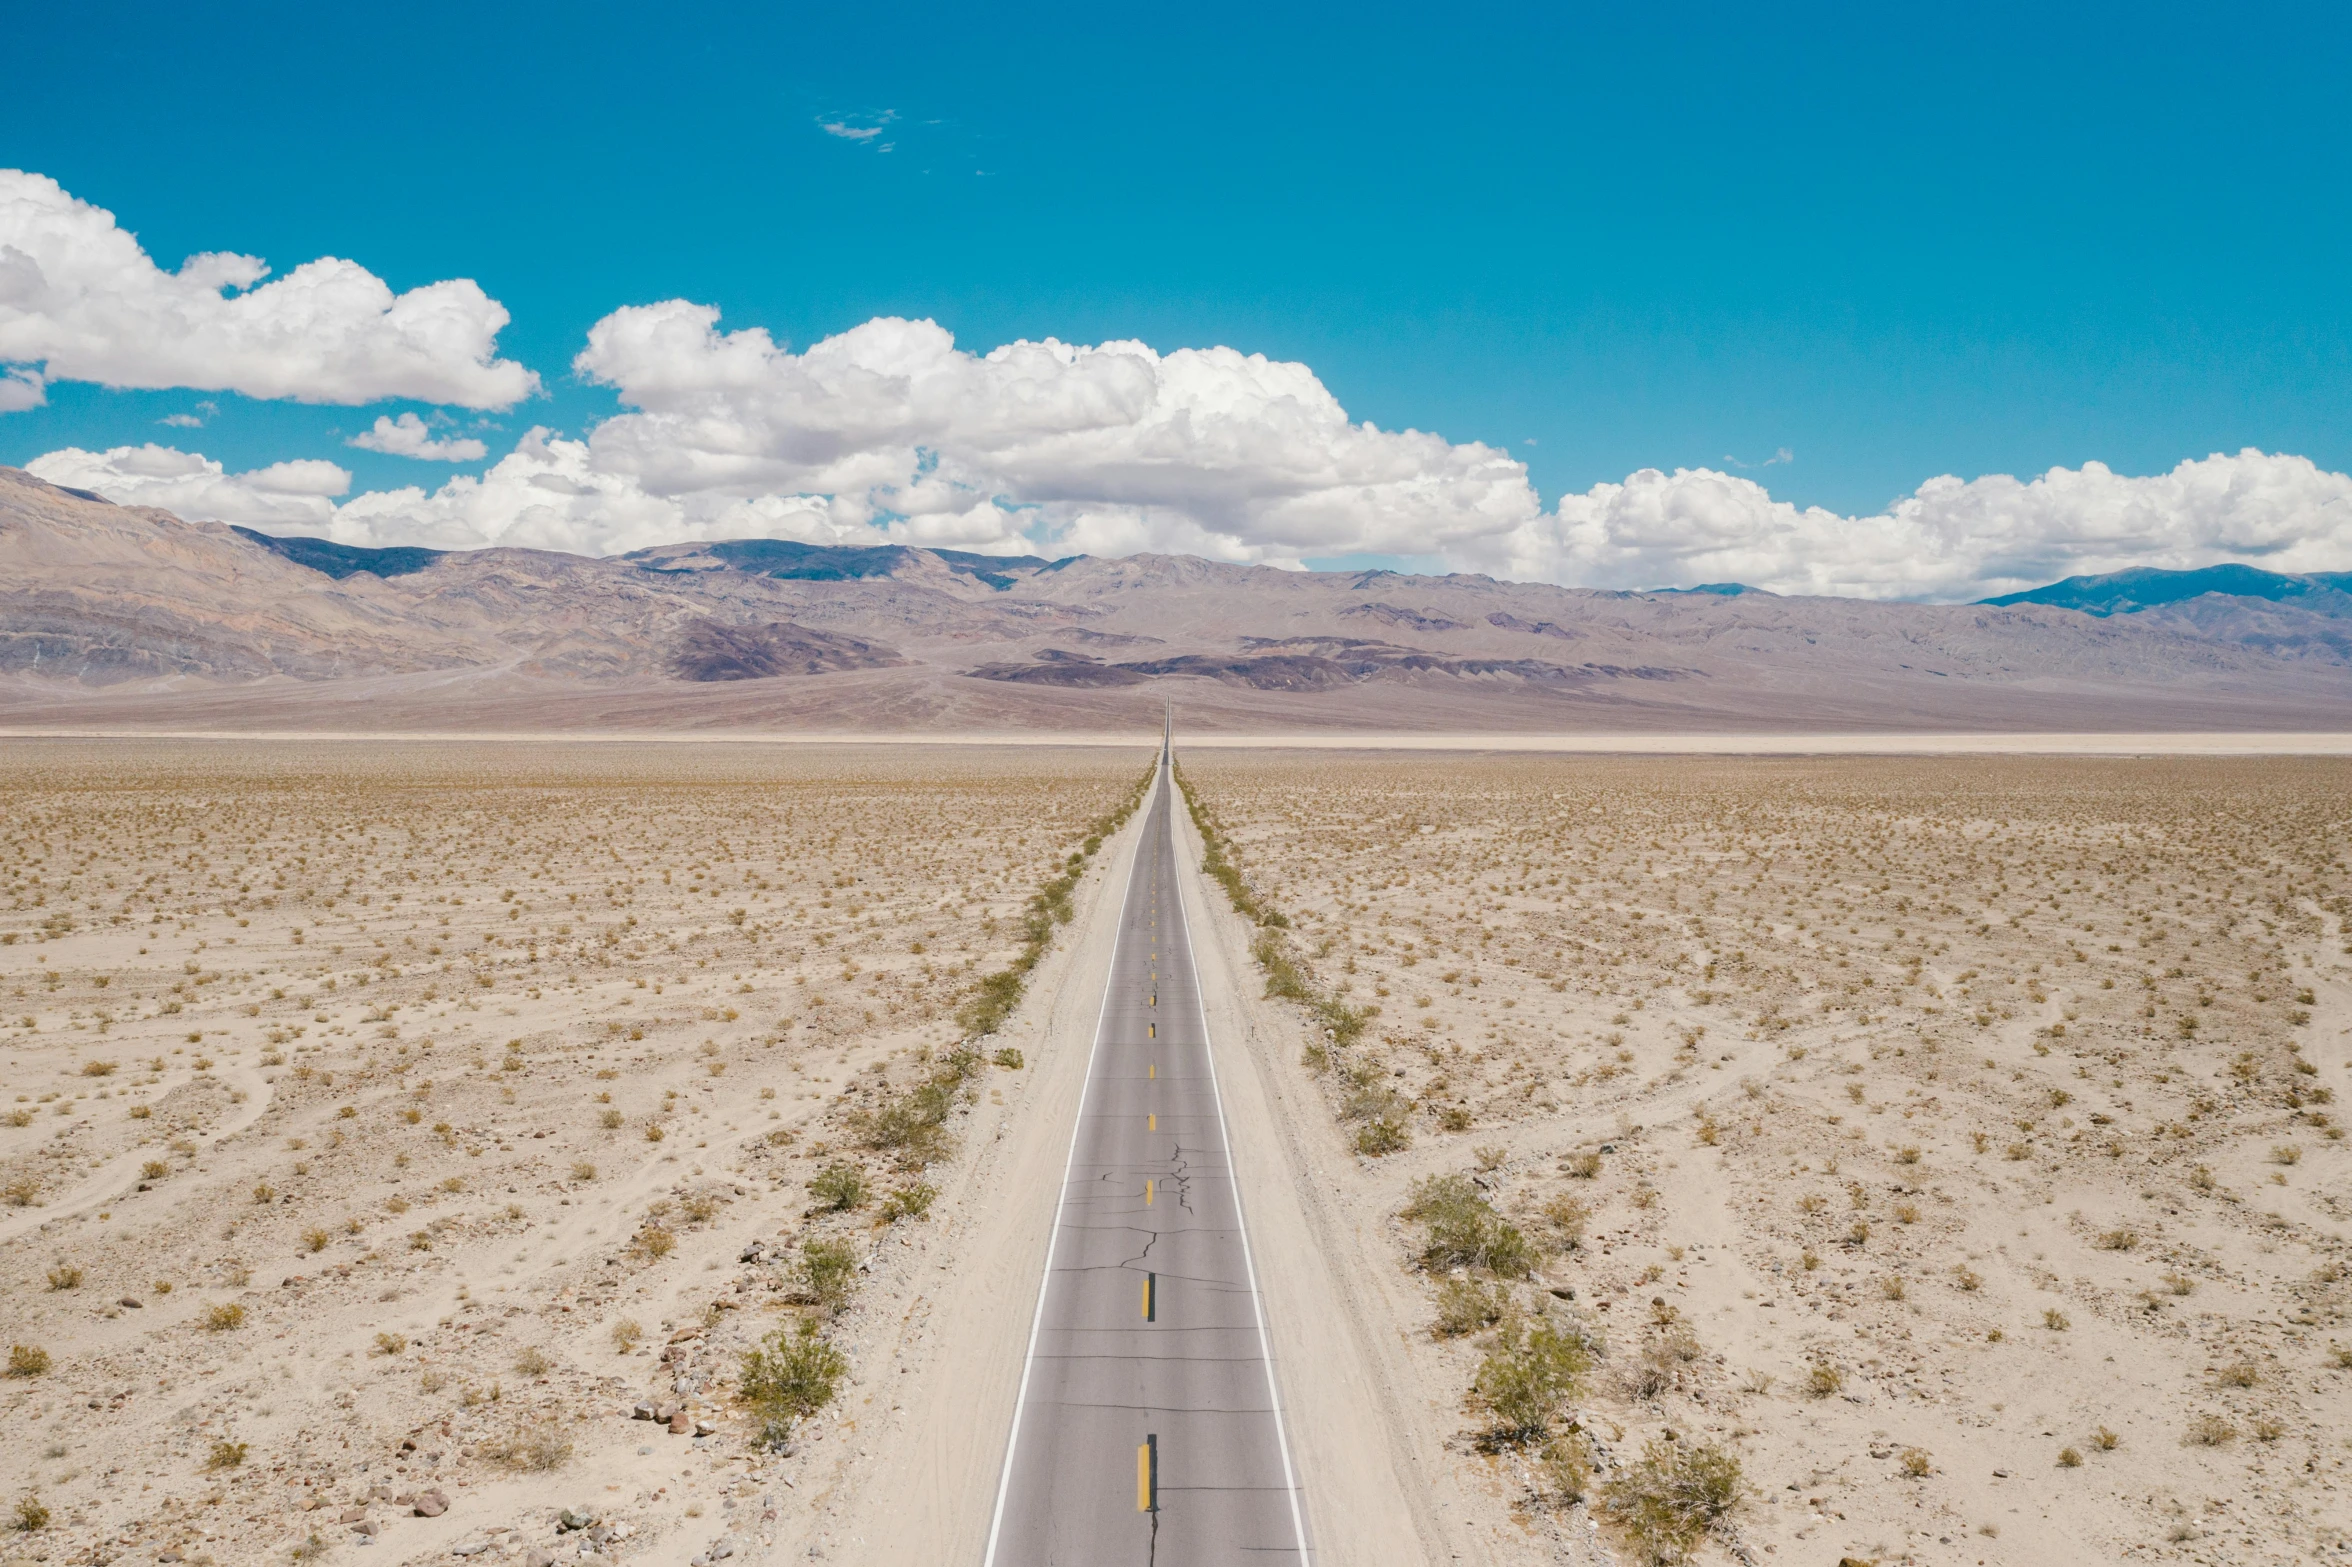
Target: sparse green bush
911	1201
30	1515
1468	1306
840	1187
1527	1375
27	1360
826	1273
225	1454
1673	1494
789	1377
225	1316
1464	1231
1565	1463
1383	1135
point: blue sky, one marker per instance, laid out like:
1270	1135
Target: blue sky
1888	242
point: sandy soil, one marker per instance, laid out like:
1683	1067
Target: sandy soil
1899	1125
2019	743
384	1120
1955	1143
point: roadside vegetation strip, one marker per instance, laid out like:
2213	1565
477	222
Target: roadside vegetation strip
1287	976
1537	1356
791	1375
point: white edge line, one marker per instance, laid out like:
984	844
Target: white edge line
1045	1280
1298	1522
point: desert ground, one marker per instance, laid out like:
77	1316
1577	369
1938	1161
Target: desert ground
386	1125
404	1144
1952	1142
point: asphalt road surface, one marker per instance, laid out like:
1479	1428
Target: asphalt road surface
1149	1429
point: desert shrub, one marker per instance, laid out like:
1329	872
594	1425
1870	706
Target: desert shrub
225	1454
911	1201
65	1276
30	1516
1464	1231
914	1124
537	1447
700	1207
826	1272
1468	1306
533	1362
655	1242
1010	1059
839	1188
1670	1345
1673	1494
1527	1375
625	1334
225	1316
2209	1431
789	1377
1824	1379
1564	1221
27	1360
1565	1466
1383	1135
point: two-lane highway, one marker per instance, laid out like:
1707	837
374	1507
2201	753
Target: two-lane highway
1149	1429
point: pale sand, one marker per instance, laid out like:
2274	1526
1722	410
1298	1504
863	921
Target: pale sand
2016	743
1780	998
396	1276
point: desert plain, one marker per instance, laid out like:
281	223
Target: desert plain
404	1145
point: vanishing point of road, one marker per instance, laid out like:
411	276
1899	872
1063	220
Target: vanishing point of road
1148	1428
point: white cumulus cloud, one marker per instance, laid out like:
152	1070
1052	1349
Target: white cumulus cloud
1110	448
297	496
1949	539
891	433
82	301
20	389
408	436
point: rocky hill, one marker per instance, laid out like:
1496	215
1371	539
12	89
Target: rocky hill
116	616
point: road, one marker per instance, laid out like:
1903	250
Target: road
1149	1429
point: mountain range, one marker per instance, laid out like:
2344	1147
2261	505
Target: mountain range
115	617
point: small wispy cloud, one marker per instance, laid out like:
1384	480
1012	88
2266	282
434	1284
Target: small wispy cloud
864	129
1783	455
191	421
409	436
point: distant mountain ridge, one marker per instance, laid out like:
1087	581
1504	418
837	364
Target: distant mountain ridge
2150	587
126	617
